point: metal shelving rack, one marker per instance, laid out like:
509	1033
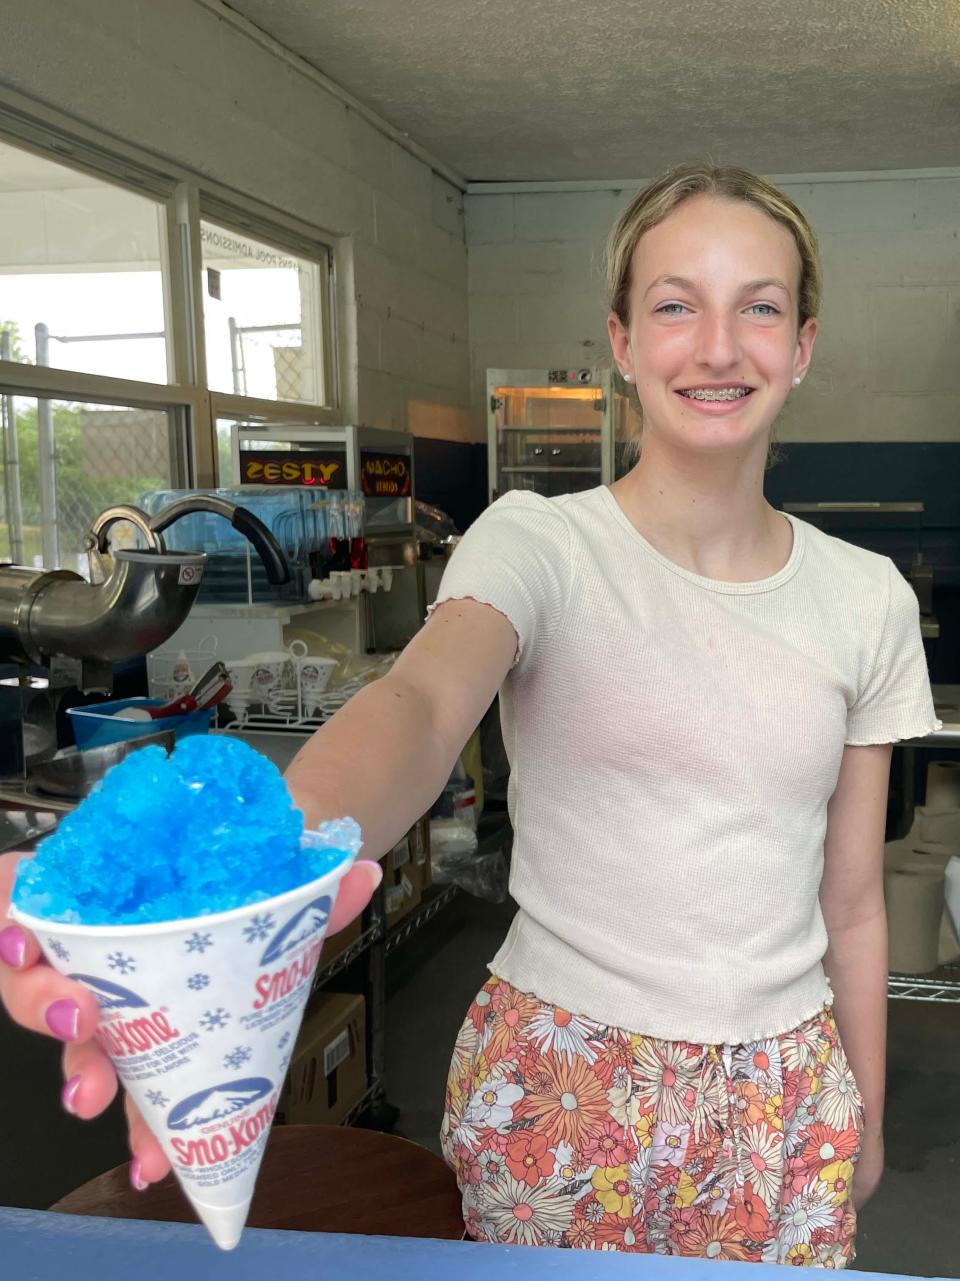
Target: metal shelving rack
375	944
942	987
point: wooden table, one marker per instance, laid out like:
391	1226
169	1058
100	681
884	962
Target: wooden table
314	1178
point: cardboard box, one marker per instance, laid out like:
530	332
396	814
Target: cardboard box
401	883
328	1073
420	851
336	944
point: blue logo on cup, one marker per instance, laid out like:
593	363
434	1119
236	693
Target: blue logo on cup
308	921
217	1101
111	996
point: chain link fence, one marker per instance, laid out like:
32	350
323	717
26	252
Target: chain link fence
268	362
101	456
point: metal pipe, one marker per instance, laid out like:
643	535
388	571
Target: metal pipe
103	337
100	527
236	356
143	602
46	462
11	462
243	521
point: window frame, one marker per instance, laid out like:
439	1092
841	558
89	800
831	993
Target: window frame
187	198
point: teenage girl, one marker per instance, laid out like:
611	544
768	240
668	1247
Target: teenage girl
681	1047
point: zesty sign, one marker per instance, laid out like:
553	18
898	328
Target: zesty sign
326	470
385	475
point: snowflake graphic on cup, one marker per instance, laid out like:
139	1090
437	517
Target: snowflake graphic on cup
213	1020
259	928
237	1057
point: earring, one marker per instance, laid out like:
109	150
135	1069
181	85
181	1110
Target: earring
627	378
797	382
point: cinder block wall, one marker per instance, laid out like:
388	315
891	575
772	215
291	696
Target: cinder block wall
887	362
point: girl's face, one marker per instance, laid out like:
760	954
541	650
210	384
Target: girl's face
713	342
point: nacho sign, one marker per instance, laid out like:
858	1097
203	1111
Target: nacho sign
385	475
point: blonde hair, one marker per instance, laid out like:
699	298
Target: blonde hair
660	197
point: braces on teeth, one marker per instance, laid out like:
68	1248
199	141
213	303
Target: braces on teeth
725	393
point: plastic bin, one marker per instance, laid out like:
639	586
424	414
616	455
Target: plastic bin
96	726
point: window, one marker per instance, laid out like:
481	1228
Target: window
66	461
80	277
106	390
262	317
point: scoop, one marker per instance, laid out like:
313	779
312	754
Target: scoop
212	688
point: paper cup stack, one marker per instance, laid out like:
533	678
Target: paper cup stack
922	879
199	1018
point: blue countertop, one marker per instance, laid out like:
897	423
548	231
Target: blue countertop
39	1246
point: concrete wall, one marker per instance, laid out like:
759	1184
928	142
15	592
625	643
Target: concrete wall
887	362
176	79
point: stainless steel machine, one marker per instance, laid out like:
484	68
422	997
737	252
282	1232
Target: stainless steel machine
376	463
60	634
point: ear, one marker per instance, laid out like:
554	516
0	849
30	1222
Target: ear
619	342
805	340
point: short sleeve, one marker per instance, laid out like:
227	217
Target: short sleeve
895	702
515	557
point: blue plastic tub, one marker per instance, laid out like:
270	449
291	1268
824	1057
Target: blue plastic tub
96	726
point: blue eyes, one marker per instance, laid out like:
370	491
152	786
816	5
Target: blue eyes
756	309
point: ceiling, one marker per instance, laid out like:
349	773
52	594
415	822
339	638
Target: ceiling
576	89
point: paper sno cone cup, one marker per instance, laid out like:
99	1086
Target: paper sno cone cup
199	1017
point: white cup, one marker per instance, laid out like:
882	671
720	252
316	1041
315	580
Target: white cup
313	675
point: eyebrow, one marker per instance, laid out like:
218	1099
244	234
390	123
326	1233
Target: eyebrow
681	282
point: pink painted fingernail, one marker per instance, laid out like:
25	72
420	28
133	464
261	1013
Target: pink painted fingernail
136	1178
63	1019
375	872
13	946
70	1093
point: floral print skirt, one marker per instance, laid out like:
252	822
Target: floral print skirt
567	1132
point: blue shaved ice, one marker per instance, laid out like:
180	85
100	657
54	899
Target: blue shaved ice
210	828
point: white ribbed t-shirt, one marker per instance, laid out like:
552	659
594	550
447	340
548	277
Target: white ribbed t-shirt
673	742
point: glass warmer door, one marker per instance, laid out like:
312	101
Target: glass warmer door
549	439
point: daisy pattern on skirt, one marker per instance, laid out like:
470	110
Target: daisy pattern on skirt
613	1191
493	1104
616	1233
719	1236
670	1144
837	1103
759	1063
823	1146
632	1151
624	1103
799	1049
638	1167
700	1109
837	1179
713	1198
663	1074
802	1216
764	1154
610	1146
570	1104
522	1215
558	1031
